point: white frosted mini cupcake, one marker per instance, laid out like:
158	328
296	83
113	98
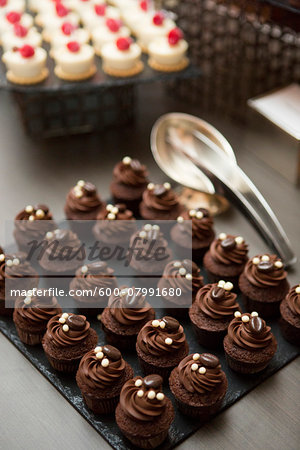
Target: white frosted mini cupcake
19	36
11	5
11	18
136	15
69	32
51	22
74	62
168	53
156	26
108	32
96	16
27	65
122	58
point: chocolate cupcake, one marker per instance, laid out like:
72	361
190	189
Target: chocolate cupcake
263	285
101	375
97	278
290	316
194	237
144	414
115	224
161	345
226	258
148	252
31	316
126	314
130	179
179	285
199	385
31	224
67	339
249	345
83	202
63	254
16	274
160	202
212	312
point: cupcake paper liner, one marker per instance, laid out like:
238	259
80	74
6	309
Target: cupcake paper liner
100	405
149	369
245	367
146	443
29	338
264	309
63	365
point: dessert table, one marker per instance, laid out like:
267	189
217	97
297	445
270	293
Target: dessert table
43	171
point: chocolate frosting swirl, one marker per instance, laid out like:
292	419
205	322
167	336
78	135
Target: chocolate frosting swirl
39	310
196	382
216	302
146	245
265	274
143	408
227	251
21	270
129	308
202	228
92	276
158	341
83	198
41	221
64	244
98	376
133	174
251	335
160	198
78	330
174	279
293	300
123	222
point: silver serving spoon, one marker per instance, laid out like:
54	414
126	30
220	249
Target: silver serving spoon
196	155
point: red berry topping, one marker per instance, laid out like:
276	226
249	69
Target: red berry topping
61	10
73	46
100	9
158	19
113	25
144	5
19	30
27	51
123	43
13	17
67	28
174	36
3	3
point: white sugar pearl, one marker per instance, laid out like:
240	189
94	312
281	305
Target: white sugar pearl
162	324
49	235
189	276
78	194
278	264
168	341
65	315
142	234
237	314
16	261
105	362
111	216
182	271
297	290
2	257
245	319
151	395
109	207
150	186
156	227
115	210
138	383
148	227
31	218
84	269
239	239
167	186
221	284
98	349
65	328
256	260
254	314
202	370
180	219
194	367
27	300
98	316
192	212
126	160
62	320
222	236
228	286
199	215
265	258
140	393
29	294
160	396
81	183
40	213
29	209
99	355
176	264
155	323
123	292
9	263
196	356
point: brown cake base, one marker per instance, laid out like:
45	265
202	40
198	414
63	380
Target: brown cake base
202	406
289	324
146	435
130	195
246	361
217	272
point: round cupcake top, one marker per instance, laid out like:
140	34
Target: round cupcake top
217	301
94	275
37	310
293	300
228	249
161	337
116	212
147	241
129	306
34	221
131	172
142	398
66	330
249	331
102	367
202	223
200	373
184	275
32	213
83	198
265	271
160	197
65	245
15	265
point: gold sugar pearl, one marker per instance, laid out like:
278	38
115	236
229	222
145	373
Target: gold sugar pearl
192	212
126	160
239	240
228	286
98	349
256	261
237	314
155	323
168	341
109	207
297	290
160	396
162	324
105	362
99	355
29	209
194	367
180	219
222	236
150	186
138	383
40	214
245	319
65	328
196	356
167	186
65	315
265	258
278	264
140	393
62	320
254	314
202	370
221	284
151	395
81	183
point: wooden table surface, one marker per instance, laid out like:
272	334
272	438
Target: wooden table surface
34	414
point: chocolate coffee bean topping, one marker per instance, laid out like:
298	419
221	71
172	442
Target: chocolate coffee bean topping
112	352
153	381
97	267
121	207
209	360
218	293
171	323
228	244
256	325
89	188
76	323
159	190
265	266
135	165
